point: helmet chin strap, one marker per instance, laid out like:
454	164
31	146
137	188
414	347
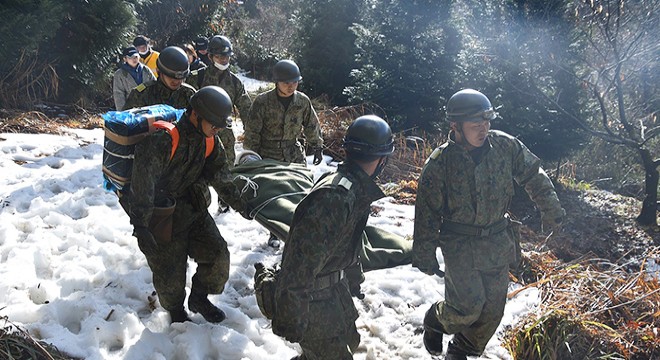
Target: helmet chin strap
379	168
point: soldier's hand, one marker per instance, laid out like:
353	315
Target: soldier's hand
432	268
318	155
146	241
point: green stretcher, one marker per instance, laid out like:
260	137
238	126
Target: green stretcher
273	189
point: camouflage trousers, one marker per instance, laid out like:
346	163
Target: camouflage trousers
473	306
228	139
194	234
336	348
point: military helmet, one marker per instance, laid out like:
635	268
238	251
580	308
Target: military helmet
220	45
173	62
212	104
469	105
286	71
368	138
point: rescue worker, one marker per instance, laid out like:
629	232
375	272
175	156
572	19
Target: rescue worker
220	51
169	88
162	177
313	305
201	46
129	75
278	116
463	197
193	60
148	56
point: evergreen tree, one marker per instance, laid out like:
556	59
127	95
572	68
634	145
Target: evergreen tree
406	58
326	46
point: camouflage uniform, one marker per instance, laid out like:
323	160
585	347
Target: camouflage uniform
194	232
273	131
313	303
455	188
155	92
234	87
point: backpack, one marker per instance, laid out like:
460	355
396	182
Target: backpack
124	129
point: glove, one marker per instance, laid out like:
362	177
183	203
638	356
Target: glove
551	222
146	241
430	268
318	155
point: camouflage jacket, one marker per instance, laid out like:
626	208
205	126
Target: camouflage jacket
155	92
227	81
269	124
155	175
453	187
325	237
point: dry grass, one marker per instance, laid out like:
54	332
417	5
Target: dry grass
35	122
16	343
28	81
591	309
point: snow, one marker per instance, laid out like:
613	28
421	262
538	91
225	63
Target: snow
72	274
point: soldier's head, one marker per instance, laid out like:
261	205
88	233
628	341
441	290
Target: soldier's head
220	51
286	76
173	67
469	113
369	142
142	44
210	109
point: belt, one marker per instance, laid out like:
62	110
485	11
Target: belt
326	281
475	230
278	143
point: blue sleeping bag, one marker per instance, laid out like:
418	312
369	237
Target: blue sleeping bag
124	129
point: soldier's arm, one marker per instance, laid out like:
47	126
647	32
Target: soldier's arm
216	171
151	160
529	174
428	216
312	128
252	140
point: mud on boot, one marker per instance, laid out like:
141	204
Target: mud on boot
432	332
199	303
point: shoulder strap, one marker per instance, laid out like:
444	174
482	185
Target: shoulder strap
174	133
172	130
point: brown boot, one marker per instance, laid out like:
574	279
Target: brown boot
199	303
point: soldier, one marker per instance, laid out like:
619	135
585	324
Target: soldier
148	56
218	74
163	176
129	75
278	116
201	46
169	88
313	305
463	197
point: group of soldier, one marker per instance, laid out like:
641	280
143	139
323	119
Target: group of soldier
464	192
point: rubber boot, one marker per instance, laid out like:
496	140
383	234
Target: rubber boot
454	353
179	315
199	303
432	332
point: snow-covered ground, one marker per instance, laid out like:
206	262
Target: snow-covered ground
72	274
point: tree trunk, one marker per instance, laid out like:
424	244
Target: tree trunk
648	215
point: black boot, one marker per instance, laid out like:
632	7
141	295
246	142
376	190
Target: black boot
273	241
432	332
179	315
454	353
199	303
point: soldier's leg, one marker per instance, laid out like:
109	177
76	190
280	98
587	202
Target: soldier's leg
169	266
473	340
209	250
464	299
336	348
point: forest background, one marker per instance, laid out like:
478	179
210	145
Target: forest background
576	80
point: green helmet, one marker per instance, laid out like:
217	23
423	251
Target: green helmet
368	138
220	45
286	71
469	105
173	62
213	104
